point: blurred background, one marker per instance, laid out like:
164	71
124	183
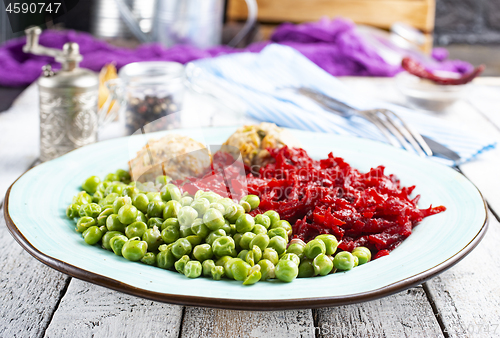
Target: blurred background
468	29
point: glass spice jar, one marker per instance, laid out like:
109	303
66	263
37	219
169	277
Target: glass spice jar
147	94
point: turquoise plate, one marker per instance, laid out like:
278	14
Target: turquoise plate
35	213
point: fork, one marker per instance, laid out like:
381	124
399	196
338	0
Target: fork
394	129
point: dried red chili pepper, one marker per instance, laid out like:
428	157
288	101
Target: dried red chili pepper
417	69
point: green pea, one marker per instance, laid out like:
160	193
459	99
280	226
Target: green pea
155	222
219	207
242	254
228	260
97	197
224	246
211	196
127	214
120	202
202	252
194	240
90	184
181	263
343	261
84	223
260	240
231	211
141	201
114	224
170	234
165	259
356	261
213	219
259	229
322	264
283	224
162	179
149	258
108	199
154	196
111	177
273	216
117	242
244	223
171	192
116	188
107	237
217	272
136	229
73	211
253	200
253	278
186	216
101	187
249	259
130	192
134	250
314	248
92	235
297	248
239	211
226	203
91	209
239	269
237	239
271	255
291	257
186	201
306	269
103	216
246	206
263	220
192	269
172	221
152	237
123	175
141	217
257	253
200	229
214	235
331	243
246	239
227	228
82	198
207	266
267	269
155	208
286	270
201	206
278	243
171	209
364	255
181	247
278	232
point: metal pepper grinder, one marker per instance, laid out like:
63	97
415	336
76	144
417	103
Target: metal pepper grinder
68	99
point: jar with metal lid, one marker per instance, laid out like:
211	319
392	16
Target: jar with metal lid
68	100
147	94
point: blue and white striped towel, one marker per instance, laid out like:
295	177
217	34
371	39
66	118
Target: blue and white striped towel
262	80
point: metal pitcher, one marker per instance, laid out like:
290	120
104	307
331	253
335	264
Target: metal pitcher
191	22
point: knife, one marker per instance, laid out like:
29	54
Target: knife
346	111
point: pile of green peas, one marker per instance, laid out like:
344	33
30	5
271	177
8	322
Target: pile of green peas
203	234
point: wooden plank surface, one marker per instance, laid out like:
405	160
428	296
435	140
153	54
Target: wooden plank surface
468	295
19	144
88	310
203	322
379	13
29	290
405	314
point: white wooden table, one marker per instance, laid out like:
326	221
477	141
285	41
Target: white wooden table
37	301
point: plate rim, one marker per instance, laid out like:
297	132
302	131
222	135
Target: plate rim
238	304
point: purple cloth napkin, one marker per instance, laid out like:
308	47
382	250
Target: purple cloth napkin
333	45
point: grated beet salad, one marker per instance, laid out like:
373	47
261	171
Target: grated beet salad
329	196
